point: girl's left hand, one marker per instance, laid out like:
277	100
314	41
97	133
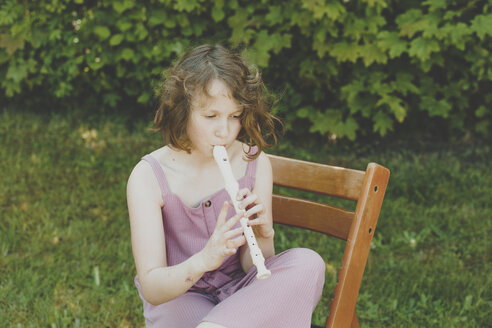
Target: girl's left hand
255	212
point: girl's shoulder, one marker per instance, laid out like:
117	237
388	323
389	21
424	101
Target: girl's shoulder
262	158
263	167
262	163
161	153
143	176
143	167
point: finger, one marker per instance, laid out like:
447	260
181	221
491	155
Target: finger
222	215
236	242
232	221
255	222
242	193
257	209
229	251
251	199
233	233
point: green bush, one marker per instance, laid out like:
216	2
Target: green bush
346	68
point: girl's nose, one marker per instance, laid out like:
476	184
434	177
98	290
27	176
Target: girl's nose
222	129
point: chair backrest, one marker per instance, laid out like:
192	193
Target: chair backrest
357	227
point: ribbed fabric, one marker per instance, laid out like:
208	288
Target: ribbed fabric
228	296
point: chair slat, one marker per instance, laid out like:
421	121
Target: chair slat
318	178
319	217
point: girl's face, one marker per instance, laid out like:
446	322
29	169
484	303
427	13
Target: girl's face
214	120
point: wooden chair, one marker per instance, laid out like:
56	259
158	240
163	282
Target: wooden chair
357	228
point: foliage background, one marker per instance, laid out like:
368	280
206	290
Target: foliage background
342	69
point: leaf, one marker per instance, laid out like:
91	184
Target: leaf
347	128
111	99
382	123
344	51
334	10
371	53
435	107
373	23
238	21
483	127
219	4
4	57
354	28
481	111
391	42
10	43
280	41
141	32
259	54
324	122
127	54
157	17
217	14
422	48
121	6
198	29
403	84
451	14
408	22
178	48
319	9
482	25
183	20
435	4
413	21
301	18
55	35
102	32
275	15
233	4
17	72
394	103
186	5
144	98
123	25
304	112
372	3
455	34
116	39
170	22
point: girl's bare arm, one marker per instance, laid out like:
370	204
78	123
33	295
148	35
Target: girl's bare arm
161	283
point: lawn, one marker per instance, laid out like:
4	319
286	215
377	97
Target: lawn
65	252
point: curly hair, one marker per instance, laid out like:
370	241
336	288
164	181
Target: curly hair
191	76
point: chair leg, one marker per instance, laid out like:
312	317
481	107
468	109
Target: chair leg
355	321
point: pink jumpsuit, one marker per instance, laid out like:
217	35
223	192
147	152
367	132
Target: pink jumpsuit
228	296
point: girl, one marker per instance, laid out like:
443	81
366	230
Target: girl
193	264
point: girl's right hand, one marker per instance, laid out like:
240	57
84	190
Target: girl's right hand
221	243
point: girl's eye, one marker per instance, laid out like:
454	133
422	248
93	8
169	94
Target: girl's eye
209	116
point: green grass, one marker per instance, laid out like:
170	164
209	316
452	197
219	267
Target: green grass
65	252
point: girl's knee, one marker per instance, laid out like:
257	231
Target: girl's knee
308	259
308	266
